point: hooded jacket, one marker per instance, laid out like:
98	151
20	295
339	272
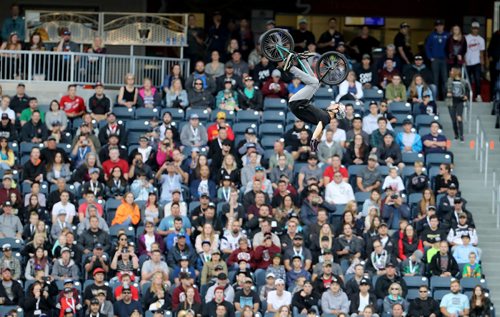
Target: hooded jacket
338	301
59	270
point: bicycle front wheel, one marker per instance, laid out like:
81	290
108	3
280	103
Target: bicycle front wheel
276	43
332	68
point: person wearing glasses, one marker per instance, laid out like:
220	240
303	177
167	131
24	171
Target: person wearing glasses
199	97
394	297
423	305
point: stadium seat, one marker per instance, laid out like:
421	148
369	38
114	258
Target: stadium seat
124	113
439	294
268	153
423	120
440	282
469	283
240	127
422	131
129	231
26	147
147	113
274	104
412	294
273	117
400	108
138	126
112	204
414	198
4	310
401	118
230	115
411	158
322	103
250	116
324	93
436	159
290	118
15	244
361	197
267	142
373	94
177	114
414	282
202	113
271	129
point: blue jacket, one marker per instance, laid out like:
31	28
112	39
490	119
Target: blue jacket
13	25
415	147
435	45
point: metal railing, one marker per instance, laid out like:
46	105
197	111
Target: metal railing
82	68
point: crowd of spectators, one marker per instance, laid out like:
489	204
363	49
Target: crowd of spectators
194	218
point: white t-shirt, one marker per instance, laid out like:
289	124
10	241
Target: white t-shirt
475	44
69	208
9	112
339	193
278	301
395	183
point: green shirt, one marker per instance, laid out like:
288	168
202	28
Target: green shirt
26	115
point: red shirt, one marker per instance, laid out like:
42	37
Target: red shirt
329	172
72	105
133	290
213	132
108	166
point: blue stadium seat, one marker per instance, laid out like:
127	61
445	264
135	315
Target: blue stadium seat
401	118
267	142
147	113
439	294
440	283
373	94
202	113
469	283
400	107
268	153
423	120
4	310
240	127
354	170
290	118
112	204
16	244
414	198
133	137
322	103
271	129
124	112
177	114
129	231
412	294
138	126
65	147
324	92
414	282
274	104
436	159
25	147
411	158
273	116
248	116
361	197
422	131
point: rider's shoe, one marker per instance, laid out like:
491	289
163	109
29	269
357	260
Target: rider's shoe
306	55
288	62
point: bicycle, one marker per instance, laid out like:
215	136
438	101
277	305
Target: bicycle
331	68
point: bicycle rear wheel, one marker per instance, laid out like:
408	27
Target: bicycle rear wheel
332	68
271	40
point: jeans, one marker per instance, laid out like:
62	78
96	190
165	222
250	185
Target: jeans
475	77
440	74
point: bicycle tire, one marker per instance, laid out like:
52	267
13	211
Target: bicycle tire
332	68
270	38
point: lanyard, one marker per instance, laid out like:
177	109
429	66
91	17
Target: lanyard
72	304
226	196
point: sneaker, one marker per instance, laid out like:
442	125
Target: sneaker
306	54
288	62
479	98
462	140
314	145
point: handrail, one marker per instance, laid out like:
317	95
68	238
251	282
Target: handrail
468	111
84	68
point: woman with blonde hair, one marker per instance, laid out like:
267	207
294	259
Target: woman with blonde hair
128	94
375	200
149	95
395	296
191	304
283	311
373	212
350	89
128	212
177	96
207	234
418	89
157	296
10	63
427	200
229	167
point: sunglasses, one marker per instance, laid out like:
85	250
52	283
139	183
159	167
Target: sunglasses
394	289
422	291
198	84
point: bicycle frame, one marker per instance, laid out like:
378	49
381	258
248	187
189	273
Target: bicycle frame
282	49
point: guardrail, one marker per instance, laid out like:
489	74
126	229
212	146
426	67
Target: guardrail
82	68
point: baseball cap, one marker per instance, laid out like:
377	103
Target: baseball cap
327	251
303	20
313	155
475	24
298	237
407	121
5	116
226	142
221	115
259	168
7	176
211	205
227	177
98	84
7	204
184	258
67	32
431	208
250	130
222	276
383	224
269	22
439	22
364	282
98	270
98	246
94	170
279	281
418	57
457	200
404	25
390	264
373	157
466	235
270	275
335	280
126	287
218	267
65	249
227	80
68	281
247	78
68	290
452	186
194	116
51	138
6	246
180	236
366	56
462	215
94	301
204	194
276	73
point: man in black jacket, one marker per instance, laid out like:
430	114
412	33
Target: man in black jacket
213	309
250	97
443	263
113	127
385	281
34	168
423	306
34	131
99	105
11	291
94	236
364	293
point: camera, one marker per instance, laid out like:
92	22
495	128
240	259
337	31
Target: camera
394	196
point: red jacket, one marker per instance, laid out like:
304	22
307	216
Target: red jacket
177	294
213	132
5	194
239	254
271	93
263	256
72	105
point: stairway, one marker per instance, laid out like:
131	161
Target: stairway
473	190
